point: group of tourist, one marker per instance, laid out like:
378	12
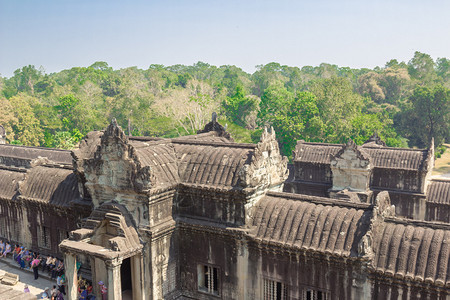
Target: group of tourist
29	260
5	248
53	294
85	290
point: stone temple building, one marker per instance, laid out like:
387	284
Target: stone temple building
203	217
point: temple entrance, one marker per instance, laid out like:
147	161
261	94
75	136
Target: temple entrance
111	239
125	275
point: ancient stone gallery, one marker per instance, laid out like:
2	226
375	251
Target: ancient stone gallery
203	217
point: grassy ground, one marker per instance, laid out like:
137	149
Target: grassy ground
442	165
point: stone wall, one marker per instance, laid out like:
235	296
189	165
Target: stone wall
15	162
245	264
437	212
220	206
387	288
405	180
408	205
27	222
314	172
162	261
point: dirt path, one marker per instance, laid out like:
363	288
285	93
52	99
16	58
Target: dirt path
442	164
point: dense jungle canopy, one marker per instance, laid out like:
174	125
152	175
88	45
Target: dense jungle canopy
405	103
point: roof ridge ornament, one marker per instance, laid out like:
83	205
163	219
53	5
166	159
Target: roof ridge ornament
361	153
375	139
351	144
214	125
114	130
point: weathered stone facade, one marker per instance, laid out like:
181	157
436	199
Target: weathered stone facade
361	172
203	217
39	199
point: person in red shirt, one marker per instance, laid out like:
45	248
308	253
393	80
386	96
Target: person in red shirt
103	290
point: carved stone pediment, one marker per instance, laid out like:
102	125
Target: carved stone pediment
113	165
267	166
351	168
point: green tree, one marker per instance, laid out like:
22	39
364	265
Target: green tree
394	64
242	109
443	70
421	67
364	125
293	116
267	75
23	80
77	114
63	140
338	105
232	78
427	115
20	121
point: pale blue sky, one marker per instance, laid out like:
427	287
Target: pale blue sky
61	34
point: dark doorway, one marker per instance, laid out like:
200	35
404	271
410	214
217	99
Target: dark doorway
125	274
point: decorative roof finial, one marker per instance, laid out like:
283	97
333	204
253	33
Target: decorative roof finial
217	127
351	143
375	138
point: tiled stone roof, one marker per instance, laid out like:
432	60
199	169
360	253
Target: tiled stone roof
414	250
409	159
53	185
405	249
315	152
30	153
211	164
439	191
9	181
161	159
50	184
311	223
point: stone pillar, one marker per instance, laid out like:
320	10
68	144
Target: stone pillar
94	277
137	279
70	267
100	274
114	280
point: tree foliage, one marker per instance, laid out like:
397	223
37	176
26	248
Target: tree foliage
404	102
427	115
